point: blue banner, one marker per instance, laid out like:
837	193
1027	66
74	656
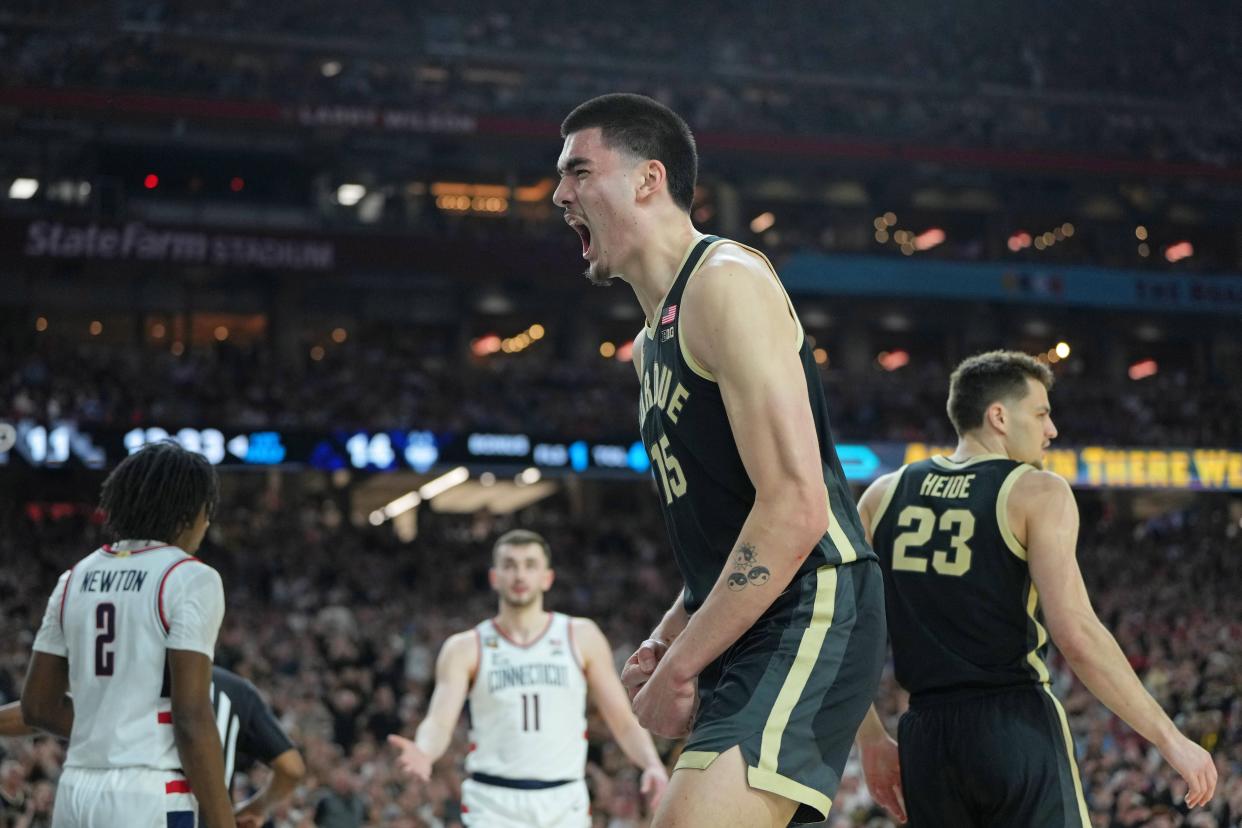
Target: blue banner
817	273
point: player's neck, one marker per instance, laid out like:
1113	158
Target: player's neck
974	445
653	269
523	624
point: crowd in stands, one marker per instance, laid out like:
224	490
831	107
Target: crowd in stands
1155	84
383	384
339	626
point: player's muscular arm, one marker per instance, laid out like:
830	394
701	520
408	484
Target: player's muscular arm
736	323
288	769
44	704
643	661
608	695
11	721
198	740
455	667
605	689
881	764
1044	516
869	503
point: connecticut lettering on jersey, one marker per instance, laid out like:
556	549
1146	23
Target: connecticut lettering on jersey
528	705
527	675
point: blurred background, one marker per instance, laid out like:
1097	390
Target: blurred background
316	242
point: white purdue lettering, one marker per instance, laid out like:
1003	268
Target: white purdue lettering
680	395
658	392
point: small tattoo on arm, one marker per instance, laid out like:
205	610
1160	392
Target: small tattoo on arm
745	557
747	569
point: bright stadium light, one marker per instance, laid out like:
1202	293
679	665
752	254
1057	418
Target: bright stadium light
350	194
444	482
23	188
1063	350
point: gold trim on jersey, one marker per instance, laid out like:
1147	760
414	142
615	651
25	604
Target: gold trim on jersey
1041	670
696	759
1041	635
887	499
1068	741
1002	511
954	465
696	366
649	325
804	662
792	790
840	540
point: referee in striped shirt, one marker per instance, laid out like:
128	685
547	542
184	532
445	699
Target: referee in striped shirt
247	726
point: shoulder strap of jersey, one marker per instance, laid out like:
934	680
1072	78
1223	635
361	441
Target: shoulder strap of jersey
668	312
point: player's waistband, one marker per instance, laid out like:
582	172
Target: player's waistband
955	695
520	784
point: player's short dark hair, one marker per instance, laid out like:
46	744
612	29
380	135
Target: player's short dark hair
647	129
157	492
523	537
991	377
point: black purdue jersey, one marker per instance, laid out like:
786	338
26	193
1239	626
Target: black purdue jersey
246	724
962	609
704	490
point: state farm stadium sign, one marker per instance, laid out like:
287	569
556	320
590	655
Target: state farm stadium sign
139	242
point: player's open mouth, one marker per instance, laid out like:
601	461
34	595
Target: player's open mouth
584	233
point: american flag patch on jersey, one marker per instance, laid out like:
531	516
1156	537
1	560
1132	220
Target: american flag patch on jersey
669	315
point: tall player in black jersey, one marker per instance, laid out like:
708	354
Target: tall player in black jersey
767	657
973	546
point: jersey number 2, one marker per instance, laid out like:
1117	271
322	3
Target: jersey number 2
921	520
105	628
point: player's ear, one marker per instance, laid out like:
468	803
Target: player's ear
652	178
491	576
548	579
997	417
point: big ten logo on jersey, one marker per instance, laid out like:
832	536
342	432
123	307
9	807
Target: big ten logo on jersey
658	392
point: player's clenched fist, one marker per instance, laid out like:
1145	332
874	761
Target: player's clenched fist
639	666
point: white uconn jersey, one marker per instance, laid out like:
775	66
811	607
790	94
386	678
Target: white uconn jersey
114	616
528	706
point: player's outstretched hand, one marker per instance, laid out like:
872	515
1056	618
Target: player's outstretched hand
639	666
882	770
654	781
411	759
1195	766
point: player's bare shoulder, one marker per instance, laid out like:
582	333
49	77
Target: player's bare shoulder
730	268
589	639
1039	495
460	652
734	297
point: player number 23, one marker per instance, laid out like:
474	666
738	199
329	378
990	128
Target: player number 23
920	521
670	470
